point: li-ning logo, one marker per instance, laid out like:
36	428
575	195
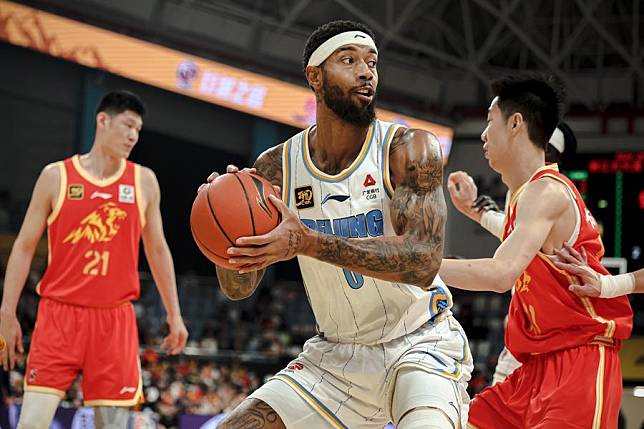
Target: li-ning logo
359	35
127	389
101	225
102	195
339	198
261	199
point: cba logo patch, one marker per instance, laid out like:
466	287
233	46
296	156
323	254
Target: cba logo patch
75	192
304	197
126	194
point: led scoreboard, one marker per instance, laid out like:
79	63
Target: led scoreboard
612	186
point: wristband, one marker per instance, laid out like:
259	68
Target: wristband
614	286
493	221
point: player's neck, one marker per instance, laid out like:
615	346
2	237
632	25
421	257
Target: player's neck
100	164
522	167
335	143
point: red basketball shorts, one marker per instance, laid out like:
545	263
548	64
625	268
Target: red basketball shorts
572	388
100	343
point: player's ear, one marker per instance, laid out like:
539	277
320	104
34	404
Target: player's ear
516	122
314	77
102	120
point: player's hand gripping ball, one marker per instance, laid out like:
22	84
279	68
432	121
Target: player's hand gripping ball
231	206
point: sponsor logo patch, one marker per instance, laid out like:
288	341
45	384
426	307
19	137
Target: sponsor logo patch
304	197
75	192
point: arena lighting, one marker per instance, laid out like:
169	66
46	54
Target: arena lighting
175	71
638	391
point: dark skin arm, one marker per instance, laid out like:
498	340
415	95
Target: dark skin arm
418	214
233	284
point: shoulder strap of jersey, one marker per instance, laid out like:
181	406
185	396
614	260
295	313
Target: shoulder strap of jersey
386	147
62	190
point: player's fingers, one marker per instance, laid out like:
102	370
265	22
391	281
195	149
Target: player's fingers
257	240
564	256
454	177
249	170
212	176
243	261
584	290
201	187
281	206
573	269
21	348
12	356
277	189
573	252
246	251
584	255
4	357
232	168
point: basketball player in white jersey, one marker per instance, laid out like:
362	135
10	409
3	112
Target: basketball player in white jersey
364	212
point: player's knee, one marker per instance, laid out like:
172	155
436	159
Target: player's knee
425	418
111	417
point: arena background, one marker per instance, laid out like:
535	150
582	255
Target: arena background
222	81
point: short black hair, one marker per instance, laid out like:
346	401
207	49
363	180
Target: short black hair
539	99
326	31
119	101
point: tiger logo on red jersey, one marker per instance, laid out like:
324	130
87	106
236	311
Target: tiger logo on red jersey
101	225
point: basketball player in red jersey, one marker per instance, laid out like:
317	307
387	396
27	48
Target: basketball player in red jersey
568	344
96	208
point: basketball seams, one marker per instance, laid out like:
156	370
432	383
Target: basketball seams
214	216
250	208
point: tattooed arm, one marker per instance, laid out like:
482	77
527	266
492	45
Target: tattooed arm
238	286
418	213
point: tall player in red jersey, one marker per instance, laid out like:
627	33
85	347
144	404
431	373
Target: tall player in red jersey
568	344
96	208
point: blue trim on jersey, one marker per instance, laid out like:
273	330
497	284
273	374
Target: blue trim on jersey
313	398
323	179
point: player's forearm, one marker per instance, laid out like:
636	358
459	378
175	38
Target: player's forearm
402	259
477	274
16	276
162	267
238	286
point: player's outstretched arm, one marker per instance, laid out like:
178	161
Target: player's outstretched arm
533	224
596	284
159	258
43	199
236	285
418	214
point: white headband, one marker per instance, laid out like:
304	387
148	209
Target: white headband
347	38
558	141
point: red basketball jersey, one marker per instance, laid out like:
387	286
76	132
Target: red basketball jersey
94	233
544	315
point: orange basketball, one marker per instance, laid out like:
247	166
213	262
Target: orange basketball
231	206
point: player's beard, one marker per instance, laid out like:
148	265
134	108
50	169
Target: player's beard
345	108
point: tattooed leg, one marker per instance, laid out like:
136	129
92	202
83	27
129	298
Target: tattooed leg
252	414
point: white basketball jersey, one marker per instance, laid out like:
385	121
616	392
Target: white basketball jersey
355	203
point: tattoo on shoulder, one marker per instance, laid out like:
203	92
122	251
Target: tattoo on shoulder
269	165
